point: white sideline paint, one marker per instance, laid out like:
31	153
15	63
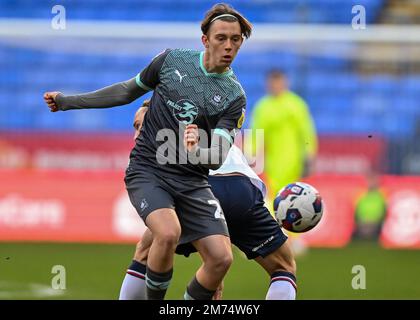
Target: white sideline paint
16	290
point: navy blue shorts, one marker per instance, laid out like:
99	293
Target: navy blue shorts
251	226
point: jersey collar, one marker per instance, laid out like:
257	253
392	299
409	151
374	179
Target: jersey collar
214	74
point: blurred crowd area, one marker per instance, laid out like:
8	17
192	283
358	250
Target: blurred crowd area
364	97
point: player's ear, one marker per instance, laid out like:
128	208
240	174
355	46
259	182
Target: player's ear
205	41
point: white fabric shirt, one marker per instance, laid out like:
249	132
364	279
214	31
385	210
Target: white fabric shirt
236	163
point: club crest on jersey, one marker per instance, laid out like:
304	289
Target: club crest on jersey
217	100
184	110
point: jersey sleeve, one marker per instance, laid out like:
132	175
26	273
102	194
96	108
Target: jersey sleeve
148	78
117	94
232	119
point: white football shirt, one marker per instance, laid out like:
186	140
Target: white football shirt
236	163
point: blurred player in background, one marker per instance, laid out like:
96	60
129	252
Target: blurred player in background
290	141
170	191
251	226
370	209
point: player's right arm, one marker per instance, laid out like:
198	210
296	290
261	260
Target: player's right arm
222	138
114	95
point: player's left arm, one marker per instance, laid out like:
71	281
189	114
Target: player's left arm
222	137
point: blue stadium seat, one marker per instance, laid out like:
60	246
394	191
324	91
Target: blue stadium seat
395	127
340	101
370	104
380	84
285	11
410	85
405	105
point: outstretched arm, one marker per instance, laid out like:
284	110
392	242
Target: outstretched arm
115	95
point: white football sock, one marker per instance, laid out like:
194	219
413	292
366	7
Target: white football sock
134	284
282	286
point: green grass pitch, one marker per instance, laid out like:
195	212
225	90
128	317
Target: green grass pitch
95	271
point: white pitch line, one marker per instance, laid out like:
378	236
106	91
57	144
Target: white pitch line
16	290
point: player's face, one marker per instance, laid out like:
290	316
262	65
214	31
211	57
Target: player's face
222	43
138	121
276	85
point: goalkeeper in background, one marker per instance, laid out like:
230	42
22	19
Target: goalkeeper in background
290	141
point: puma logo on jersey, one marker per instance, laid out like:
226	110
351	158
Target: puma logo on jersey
179	75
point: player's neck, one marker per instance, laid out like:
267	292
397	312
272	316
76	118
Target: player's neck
210	66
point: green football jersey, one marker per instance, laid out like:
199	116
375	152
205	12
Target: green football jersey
185	93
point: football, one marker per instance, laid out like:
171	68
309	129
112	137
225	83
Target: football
298	207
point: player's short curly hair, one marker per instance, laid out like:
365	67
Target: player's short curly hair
229	14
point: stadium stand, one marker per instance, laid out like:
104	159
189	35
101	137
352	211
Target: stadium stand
328	83
272	11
